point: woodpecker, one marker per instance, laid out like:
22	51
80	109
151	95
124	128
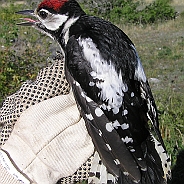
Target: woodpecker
111	90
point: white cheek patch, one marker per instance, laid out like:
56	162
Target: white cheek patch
108	79
54	21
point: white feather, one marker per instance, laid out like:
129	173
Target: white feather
139	71
164	157
108	80
104	174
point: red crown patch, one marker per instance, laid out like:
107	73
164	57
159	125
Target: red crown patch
53	4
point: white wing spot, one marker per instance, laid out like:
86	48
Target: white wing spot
98	112
100	133
88	99
83	95
143	169
125	112
126	173
108	107
125	126
93	74
127	140
115	110
77	84
109	127
132	150
89	116
132	94
117	162
136	181
116	124
108	146
91	84
104	107
125	88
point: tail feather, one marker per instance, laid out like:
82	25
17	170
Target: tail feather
98	172
165	159
155	173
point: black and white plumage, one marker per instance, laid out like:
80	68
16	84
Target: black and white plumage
111	90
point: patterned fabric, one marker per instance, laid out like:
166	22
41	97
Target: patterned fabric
49	83
80	175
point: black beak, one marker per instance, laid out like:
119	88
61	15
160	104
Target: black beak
28	21
26	12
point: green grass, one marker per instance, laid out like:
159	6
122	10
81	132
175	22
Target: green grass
23	51
160	47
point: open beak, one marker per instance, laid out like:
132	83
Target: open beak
33	21
27	21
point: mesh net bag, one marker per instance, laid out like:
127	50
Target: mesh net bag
50	82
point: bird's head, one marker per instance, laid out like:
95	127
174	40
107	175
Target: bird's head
51	16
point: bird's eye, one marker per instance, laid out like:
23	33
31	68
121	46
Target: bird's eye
42	14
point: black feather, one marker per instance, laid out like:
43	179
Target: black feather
96	127
133	146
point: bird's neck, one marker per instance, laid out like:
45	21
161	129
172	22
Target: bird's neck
66	28
63	34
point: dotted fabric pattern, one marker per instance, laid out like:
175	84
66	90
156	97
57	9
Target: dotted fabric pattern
49	83
82	174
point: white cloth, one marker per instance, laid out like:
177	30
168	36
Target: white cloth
50	140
